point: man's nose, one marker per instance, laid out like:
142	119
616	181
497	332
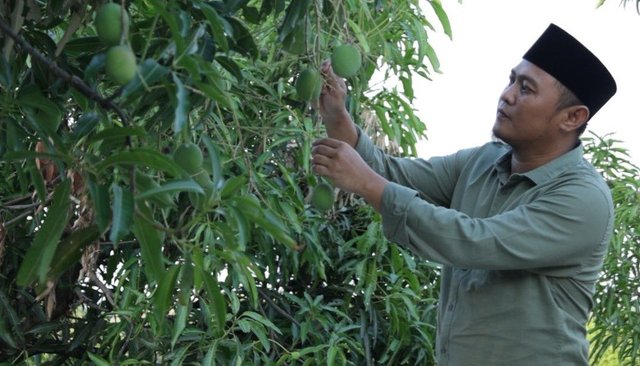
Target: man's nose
508	94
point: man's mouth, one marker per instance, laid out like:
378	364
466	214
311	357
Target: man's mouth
501	113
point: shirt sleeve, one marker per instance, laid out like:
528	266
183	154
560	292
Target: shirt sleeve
433	179
560	229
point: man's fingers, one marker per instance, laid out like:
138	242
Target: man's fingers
321	160
328	141
323	150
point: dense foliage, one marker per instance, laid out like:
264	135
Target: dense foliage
113	253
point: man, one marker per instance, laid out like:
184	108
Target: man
520	228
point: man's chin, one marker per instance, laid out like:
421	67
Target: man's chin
496	136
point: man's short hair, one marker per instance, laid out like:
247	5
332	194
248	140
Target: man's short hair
568	99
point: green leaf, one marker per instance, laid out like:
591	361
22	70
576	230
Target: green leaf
142	157
21	155
182	312
167	14
149	72
6	79
98	360
122	208
232	185
215	161
164	293
243	227
215	23
362	39
70	250
38	182
183	185
442	16
117	133
295	12
38	258
150	243
7	309
44	328
217	300
182	106
186	279
86	124
262	320
100	197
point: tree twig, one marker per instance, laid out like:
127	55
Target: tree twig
277	308
107	293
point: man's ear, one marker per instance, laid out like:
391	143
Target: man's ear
575	116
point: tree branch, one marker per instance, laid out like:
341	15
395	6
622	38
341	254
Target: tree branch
72	80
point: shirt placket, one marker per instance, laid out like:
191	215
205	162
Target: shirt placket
444	350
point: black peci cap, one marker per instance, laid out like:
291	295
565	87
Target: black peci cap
571	63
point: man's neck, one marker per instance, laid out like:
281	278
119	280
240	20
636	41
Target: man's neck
525	160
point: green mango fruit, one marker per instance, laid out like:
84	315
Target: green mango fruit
189	157
322	197
309	84
346	60
120	64
109	25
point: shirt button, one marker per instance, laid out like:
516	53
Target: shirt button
450	307
443	350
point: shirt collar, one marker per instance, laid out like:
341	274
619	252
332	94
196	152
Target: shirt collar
545	172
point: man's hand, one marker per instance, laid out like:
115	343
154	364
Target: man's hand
342	164
331	103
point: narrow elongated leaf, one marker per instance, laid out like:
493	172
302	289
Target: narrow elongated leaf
122	208
183	185
100	197
243	227
217	300
5	73
38	258
70	250
182	311
232	185
149	72
9	311
168	16
262	320
142	157
164	293
216	24
98	360
182	106
38	182
21	155
442	16
116	133
150	243
86	124
215	161
186	279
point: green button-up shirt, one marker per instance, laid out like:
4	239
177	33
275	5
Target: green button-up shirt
520	253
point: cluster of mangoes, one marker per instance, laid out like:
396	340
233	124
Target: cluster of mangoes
120	62
189	157
345	61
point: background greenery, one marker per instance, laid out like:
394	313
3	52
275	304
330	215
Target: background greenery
105	259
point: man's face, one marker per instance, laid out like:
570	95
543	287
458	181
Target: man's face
527	108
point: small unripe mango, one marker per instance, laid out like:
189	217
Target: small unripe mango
120	64
309	84
346	60
189	157
322	197
109	24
